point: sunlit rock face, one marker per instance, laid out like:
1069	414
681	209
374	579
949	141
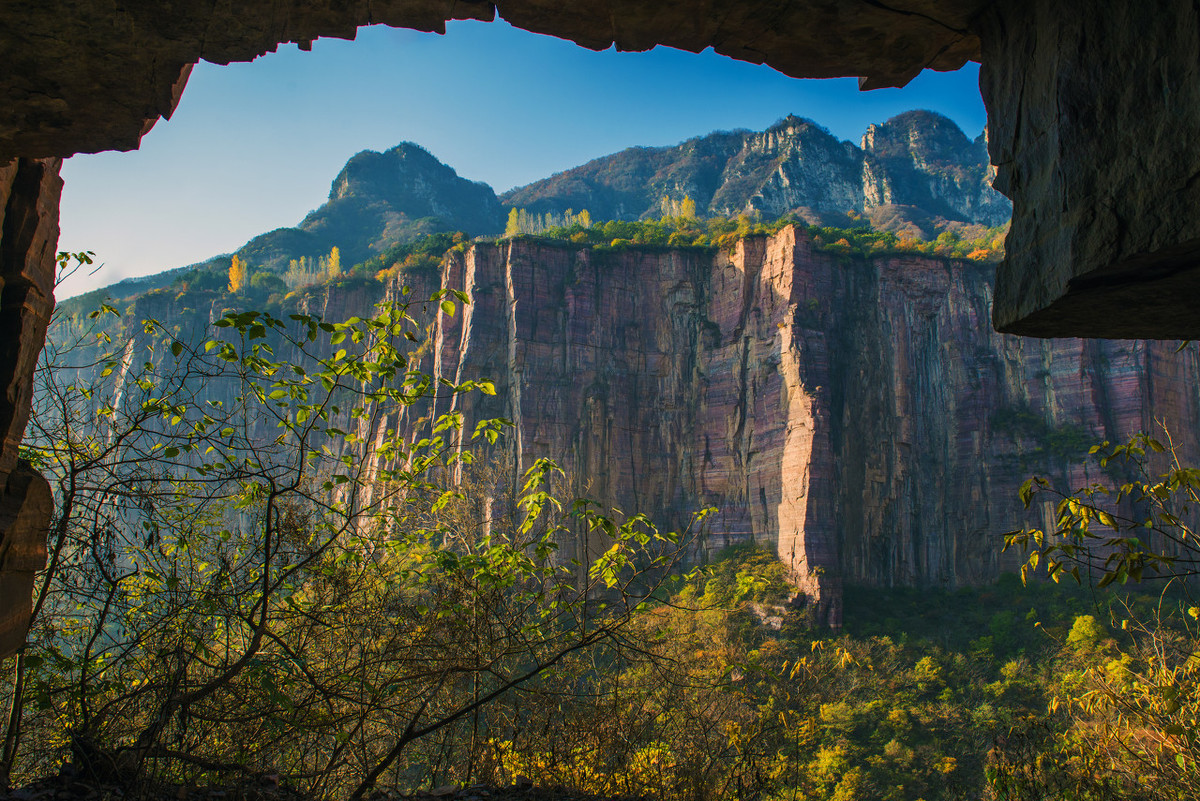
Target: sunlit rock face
858	415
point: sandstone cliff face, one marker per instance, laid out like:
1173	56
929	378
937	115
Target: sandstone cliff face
858	415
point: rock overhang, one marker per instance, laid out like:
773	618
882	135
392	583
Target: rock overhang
1089	255
86	76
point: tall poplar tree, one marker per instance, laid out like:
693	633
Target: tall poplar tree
238	277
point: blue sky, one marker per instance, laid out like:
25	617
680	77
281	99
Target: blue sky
255	146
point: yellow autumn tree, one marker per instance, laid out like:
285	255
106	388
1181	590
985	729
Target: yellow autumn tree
513	227
687	209
238	277
584	219
334	265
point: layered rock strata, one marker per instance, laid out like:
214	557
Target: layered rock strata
858	415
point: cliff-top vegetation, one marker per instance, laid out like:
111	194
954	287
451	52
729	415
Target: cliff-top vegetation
680	227
236	282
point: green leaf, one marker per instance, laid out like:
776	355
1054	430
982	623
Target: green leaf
448	307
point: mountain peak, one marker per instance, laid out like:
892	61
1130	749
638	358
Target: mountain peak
370	173
919	158
378	200
793	122
923	136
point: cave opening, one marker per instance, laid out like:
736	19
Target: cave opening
252	146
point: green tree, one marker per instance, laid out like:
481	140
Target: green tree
1127	719
267	283
243	580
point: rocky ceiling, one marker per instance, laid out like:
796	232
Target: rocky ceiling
89	75
1093	105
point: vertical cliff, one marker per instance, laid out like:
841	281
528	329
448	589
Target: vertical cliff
859	415
856	414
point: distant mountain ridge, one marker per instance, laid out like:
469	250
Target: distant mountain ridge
919	159
915	175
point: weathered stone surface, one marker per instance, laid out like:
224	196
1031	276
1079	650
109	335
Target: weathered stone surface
83	76
25	509
29	194
858	415
1092	125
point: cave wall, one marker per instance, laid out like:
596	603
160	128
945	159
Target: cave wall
1093	110
29	196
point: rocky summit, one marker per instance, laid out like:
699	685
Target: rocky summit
916	165
379	200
